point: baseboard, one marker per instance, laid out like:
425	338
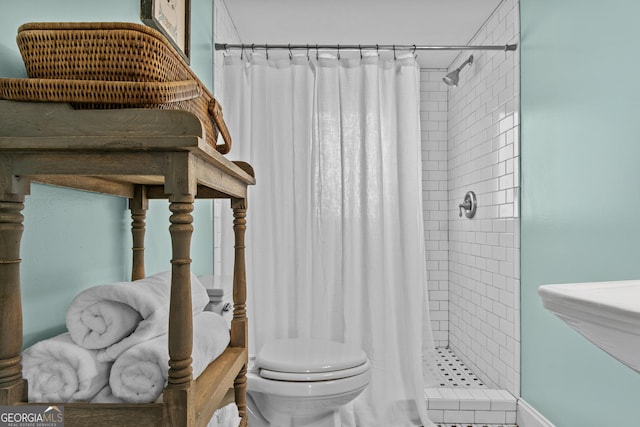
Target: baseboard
527	416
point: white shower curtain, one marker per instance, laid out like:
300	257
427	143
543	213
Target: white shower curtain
335	233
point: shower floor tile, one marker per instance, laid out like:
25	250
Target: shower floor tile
463	400
454	372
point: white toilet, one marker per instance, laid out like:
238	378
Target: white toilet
304	382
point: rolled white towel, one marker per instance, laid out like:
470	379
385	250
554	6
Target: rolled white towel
140	374
59	370
113	317
105	395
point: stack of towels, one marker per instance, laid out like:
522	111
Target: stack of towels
115	347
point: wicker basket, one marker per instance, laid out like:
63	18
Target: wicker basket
96	65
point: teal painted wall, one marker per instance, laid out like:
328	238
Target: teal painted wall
75	239
580	196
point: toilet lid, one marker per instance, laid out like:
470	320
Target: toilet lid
315	376
299	355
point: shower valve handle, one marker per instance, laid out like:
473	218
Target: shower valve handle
469	204
466	205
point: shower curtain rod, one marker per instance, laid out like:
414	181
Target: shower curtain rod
388	47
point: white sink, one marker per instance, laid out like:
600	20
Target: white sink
606	313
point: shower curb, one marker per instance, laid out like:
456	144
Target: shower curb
472	406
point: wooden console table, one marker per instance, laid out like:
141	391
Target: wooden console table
139	154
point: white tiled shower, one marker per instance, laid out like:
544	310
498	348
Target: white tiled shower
471	143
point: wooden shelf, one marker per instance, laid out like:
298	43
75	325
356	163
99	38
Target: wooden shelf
139	154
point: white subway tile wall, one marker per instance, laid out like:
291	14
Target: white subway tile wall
224	31
434	110
484	252
472	132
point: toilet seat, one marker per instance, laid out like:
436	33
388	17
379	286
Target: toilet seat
314	376
306	389
310	356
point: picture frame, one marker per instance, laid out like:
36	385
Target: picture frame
173	19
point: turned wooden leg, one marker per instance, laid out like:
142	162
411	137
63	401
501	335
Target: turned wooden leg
138	206
240	388
239	321
179	395
12	387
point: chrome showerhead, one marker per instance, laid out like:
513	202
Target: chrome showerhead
452	78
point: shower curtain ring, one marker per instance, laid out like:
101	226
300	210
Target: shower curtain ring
414	52
360	49
338	51
266	51
290	55
317	54
308	59
394	52
377	50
